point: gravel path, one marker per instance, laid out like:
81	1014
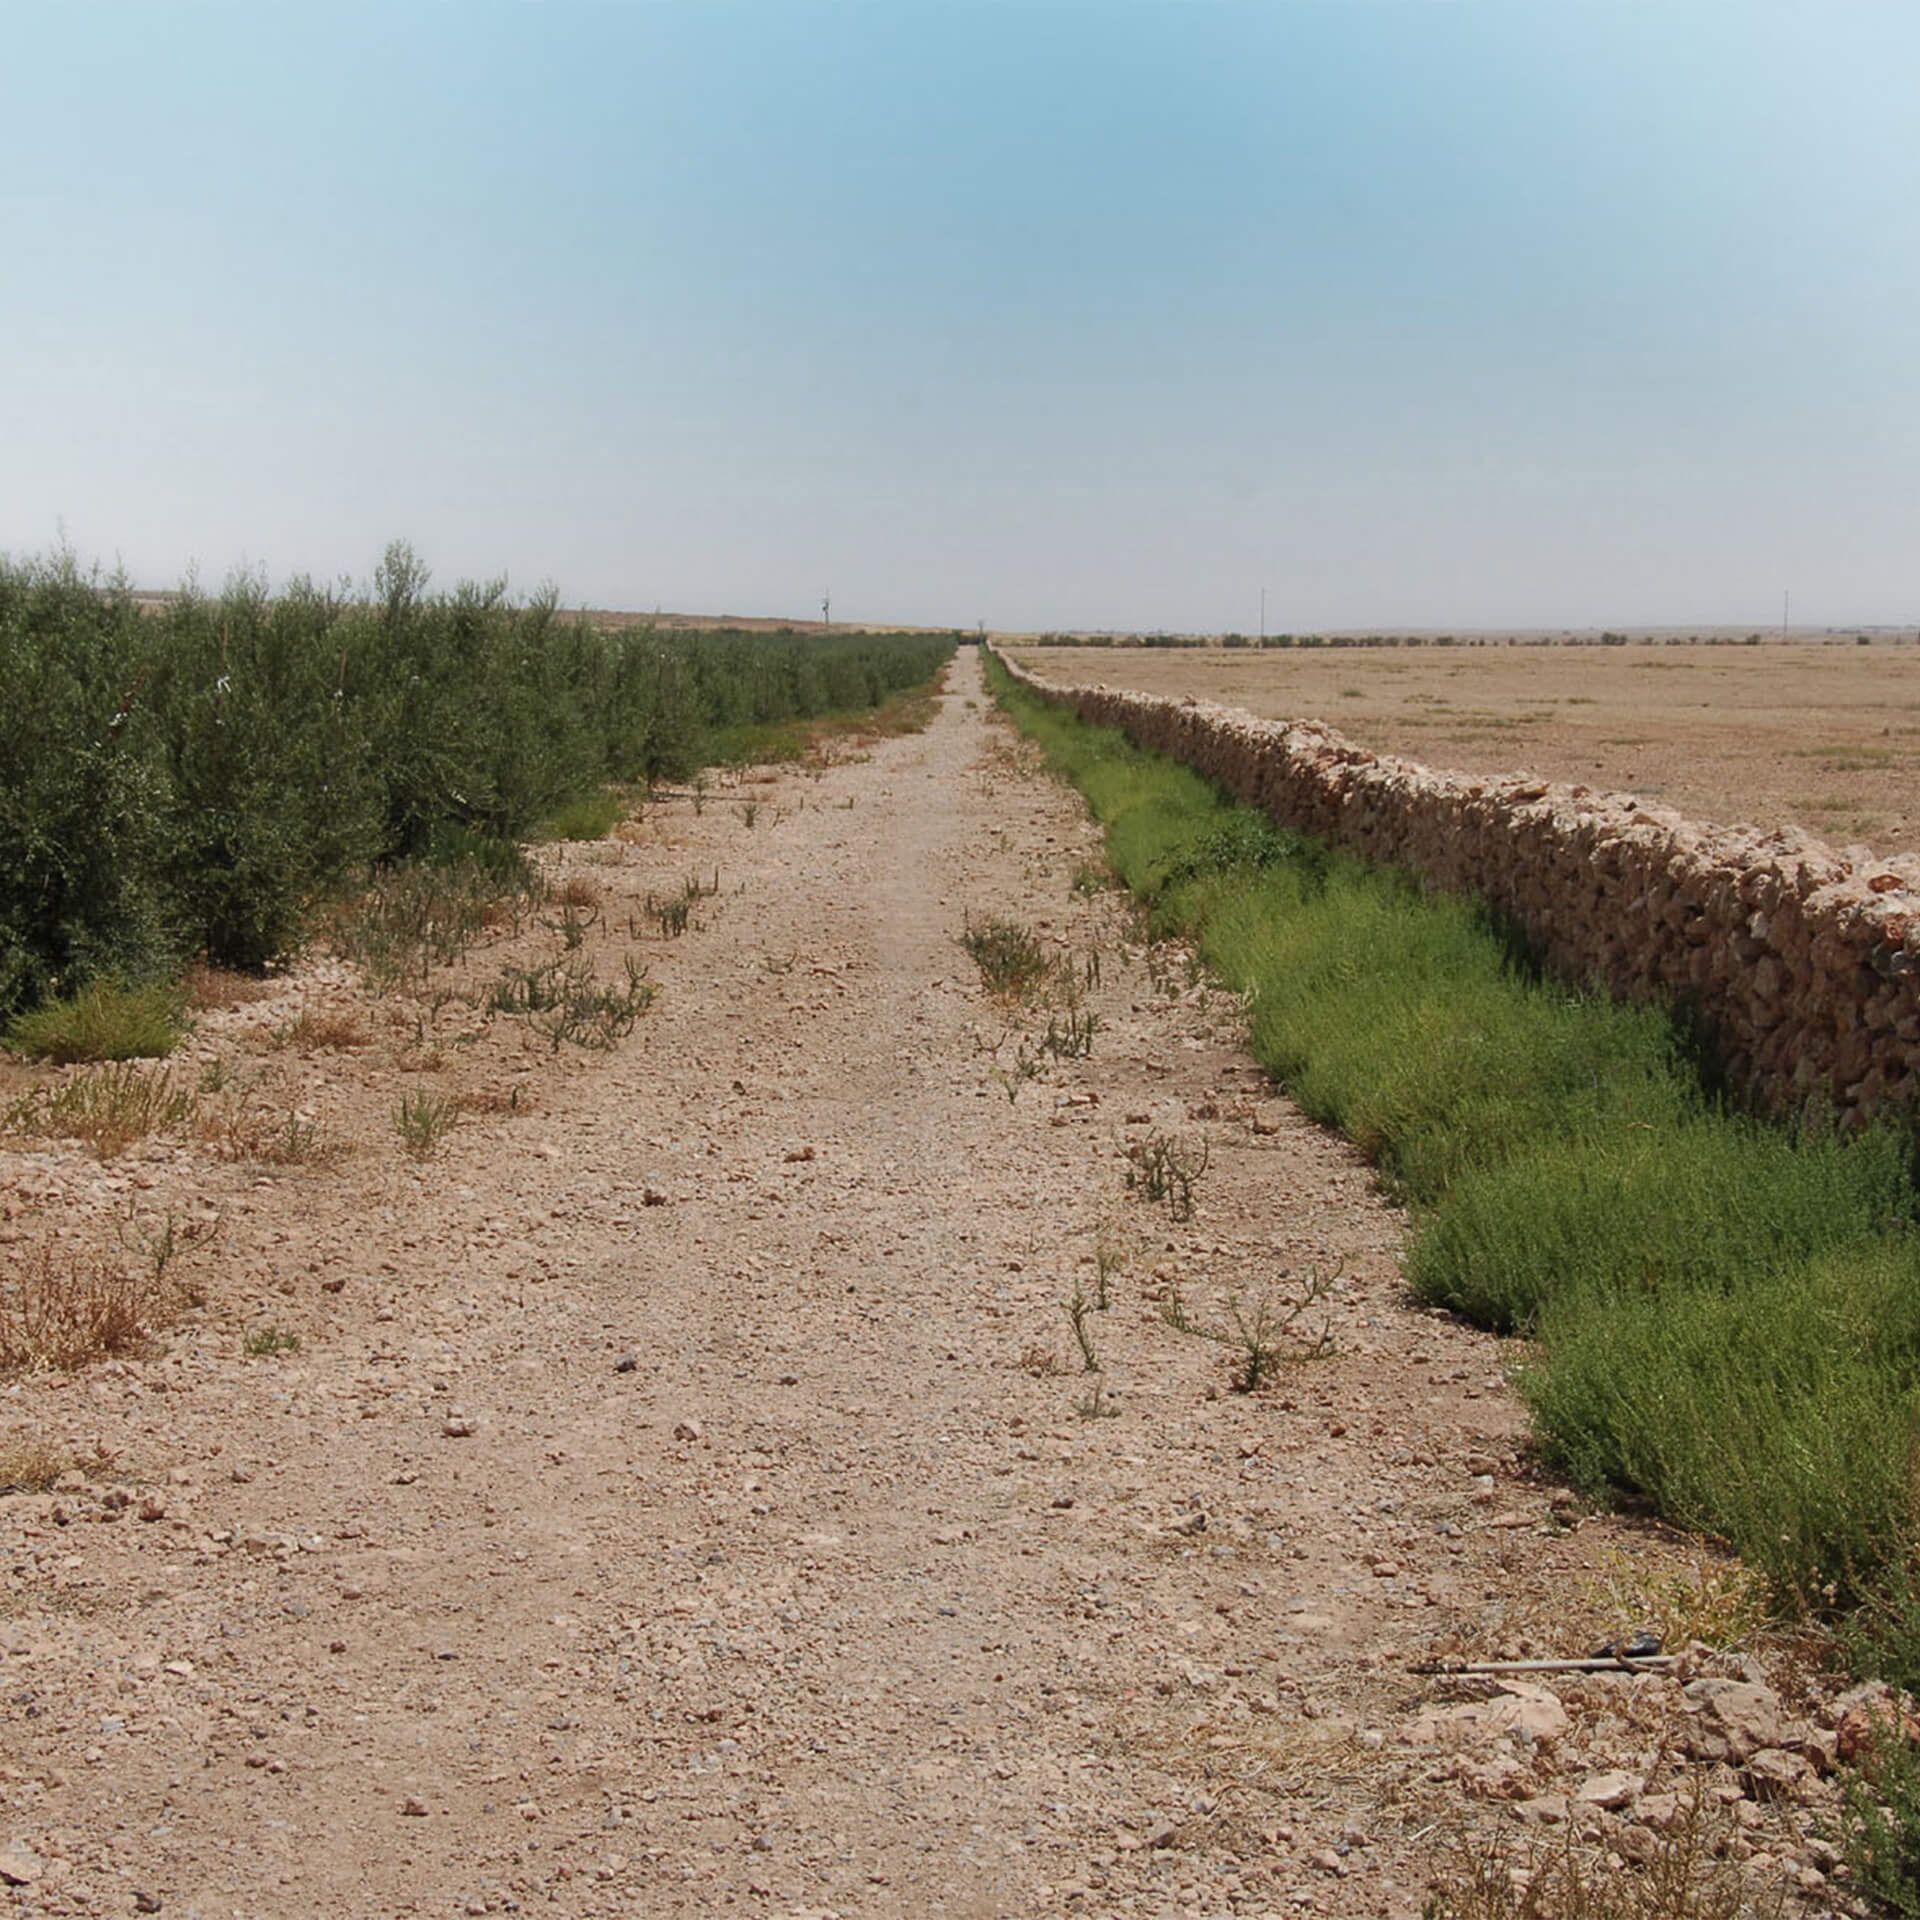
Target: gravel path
687	1493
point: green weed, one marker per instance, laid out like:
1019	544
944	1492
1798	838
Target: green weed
1014	965
423	1122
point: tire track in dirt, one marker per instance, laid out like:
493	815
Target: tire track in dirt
674	1509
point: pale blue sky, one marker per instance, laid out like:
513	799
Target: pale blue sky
1416	312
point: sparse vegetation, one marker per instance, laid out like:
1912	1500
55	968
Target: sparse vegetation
563	1002
264	1342
1690	1875
1077	1309
313	1028
107	1107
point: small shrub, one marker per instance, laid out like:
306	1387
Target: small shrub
101	1022
423	1123
242	1131
562	1001
1013	964
29	1465
264	1342
1883	1797
1070	1036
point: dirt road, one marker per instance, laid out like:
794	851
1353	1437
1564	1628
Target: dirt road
687	1493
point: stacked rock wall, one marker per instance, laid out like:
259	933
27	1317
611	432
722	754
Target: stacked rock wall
1803	961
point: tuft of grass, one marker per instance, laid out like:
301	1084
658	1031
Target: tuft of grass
101	1022
423	1122
264	1342
109	1108
214	989
591	817
29	1465
1014	965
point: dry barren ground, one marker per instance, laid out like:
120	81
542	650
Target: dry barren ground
1825	737
686	1493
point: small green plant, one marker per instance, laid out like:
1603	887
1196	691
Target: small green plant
591	817
1258	1336
1111	1254
101	1022
1070	1036
574	925
1013	964
1025	1066
671	916
423	1122
1077	1310
561	1000
1166	1167
749	813
264	1342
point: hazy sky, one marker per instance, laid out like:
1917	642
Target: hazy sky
1414	312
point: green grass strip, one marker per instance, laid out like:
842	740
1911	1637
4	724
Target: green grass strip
1723	1315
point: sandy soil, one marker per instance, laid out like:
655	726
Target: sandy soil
1825	737
686	1493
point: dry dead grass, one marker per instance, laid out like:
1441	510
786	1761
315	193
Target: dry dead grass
214	989
338	1028
59	1310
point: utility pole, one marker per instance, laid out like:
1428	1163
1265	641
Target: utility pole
1786	603
1263	615
826	608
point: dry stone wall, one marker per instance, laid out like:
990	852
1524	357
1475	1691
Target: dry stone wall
1803	959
